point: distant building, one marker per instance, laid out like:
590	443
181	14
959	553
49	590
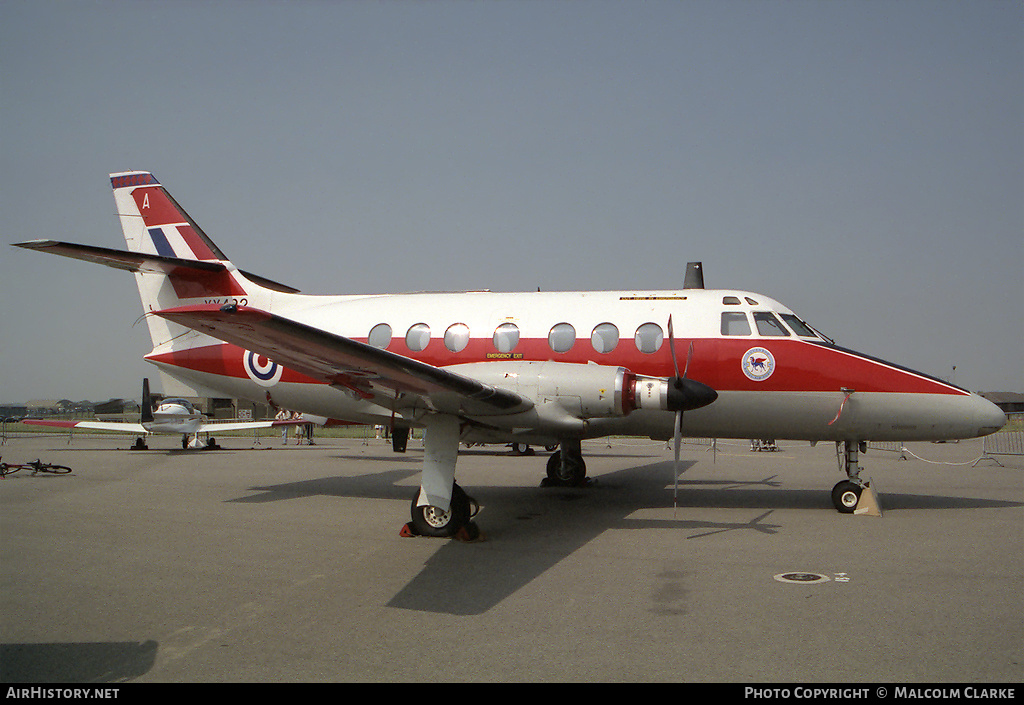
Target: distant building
1009	402
13	411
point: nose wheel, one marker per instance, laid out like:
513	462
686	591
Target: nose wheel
845	496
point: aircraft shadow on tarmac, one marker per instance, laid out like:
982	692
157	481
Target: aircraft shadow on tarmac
102	662
528	530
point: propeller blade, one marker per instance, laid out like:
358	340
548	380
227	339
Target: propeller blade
676	442
672	345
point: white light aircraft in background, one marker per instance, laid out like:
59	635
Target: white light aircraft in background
538	368
172	416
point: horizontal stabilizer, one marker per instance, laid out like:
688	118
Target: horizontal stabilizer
142	262
120	259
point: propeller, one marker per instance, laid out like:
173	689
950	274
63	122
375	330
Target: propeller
684	393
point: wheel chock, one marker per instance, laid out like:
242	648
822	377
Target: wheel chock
408	531
868	505
470	533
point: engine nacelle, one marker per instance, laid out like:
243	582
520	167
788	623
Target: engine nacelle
651	393
581	391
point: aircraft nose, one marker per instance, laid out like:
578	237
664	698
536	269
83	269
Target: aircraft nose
989	417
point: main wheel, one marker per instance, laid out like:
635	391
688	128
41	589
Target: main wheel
432	521
572	474
845	496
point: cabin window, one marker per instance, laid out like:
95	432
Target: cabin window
506	337
735	324
649	337
798	326
731	300
380	336
456	338
768	325
562	337
417	337
605	337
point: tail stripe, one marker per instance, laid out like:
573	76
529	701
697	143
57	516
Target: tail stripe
160	242
180	241
197	244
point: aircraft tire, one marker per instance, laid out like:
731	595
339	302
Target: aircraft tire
431	521
573	474
845	496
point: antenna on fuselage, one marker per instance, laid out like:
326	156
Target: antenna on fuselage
694	276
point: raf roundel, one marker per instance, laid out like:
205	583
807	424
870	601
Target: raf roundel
261	370
758	364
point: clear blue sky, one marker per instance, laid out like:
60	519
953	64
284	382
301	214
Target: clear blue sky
862	162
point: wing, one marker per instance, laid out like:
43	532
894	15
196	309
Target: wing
95	425
212	426
347	363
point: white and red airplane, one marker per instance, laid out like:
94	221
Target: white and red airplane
171	416
539	368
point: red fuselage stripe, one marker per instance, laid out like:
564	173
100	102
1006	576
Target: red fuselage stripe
799	366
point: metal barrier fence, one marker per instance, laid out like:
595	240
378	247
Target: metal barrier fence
892	446
1007	442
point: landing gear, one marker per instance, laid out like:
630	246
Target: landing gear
566	467
521	449
846	494
433	521
441	508
399	439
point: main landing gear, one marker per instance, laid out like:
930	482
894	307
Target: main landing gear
454	523
433	521
566	467
440	507
434	515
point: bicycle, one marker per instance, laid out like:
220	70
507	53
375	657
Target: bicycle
36	466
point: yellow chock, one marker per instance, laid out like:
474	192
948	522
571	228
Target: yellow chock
868	505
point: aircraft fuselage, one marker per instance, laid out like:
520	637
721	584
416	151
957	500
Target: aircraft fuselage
775	377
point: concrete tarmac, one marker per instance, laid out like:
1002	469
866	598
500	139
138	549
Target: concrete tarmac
285	564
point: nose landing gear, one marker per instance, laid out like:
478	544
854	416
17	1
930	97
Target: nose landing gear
853	495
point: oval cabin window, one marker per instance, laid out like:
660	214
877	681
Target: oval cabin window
417	337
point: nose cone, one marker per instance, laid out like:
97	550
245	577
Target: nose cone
989	417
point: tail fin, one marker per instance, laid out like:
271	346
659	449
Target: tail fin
154	223
191	268
147	402
173	260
